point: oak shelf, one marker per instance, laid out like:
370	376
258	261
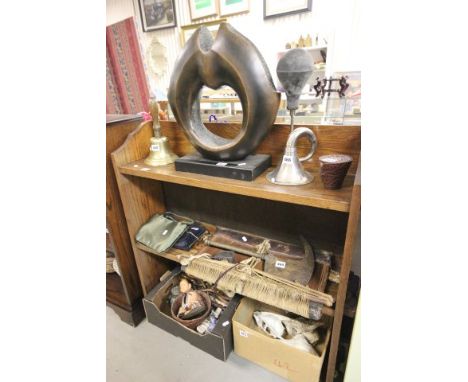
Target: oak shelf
328	216
312	194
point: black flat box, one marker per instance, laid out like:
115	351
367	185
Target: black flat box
219	343
246	169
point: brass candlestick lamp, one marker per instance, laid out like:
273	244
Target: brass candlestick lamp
160	152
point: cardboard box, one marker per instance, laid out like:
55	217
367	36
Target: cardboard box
252	343
218	343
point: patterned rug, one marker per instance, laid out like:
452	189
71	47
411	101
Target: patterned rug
126	87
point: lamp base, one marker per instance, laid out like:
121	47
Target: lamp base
303	178
290	173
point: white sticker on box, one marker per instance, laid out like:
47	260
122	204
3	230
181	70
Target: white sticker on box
243	333
155	147
221	164
280	264
225	323
244	238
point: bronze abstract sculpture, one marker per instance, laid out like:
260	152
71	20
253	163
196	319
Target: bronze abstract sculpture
233	60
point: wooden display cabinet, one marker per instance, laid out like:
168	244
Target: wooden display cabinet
123	293
327	218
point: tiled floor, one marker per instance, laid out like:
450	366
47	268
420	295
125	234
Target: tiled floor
149	354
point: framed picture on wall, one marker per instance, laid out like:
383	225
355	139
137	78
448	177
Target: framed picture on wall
233	7
202	8
274	8
189	30
157	14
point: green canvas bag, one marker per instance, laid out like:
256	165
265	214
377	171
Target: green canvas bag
161	232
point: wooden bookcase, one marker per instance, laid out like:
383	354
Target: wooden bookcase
327	218
123	293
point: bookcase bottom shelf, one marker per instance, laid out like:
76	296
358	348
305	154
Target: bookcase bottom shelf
176	254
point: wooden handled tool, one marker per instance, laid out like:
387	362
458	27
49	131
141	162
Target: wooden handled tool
293	268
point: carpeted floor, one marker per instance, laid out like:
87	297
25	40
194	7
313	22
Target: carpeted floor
149	354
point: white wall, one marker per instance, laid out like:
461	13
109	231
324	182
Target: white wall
118	10
336	20
345	51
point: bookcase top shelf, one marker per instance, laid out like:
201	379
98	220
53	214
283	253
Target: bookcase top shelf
312	194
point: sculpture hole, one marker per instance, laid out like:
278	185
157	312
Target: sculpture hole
221	105
206	39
